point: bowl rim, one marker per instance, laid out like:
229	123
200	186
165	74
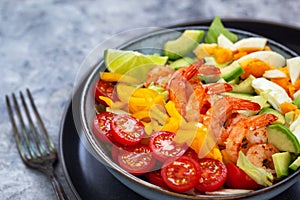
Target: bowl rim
96	150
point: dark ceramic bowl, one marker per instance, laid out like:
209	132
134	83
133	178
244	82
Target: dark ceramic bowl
153	43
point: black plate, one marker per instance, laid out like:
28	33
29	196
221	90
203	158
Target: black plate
89	179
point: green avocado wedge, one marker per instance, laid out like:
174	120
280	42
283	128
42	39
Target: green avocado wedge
231	72
282	138
297	101
296	164
183	45
281	163
245	86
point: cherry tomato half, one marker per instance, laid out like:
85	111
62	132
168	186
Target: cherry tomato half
102	128
238	179
191	153
115	150
162	145
127	130
103	88
136	159
182	174
213	175
156	178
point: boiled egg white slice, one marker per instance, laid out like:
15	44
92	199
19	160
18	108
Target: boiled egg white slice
274	73
251	43
245	43
270	57
293	65
224	42
276	94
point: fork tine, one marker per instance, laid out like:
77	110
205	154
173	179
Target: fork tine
36	137
20	147
38	117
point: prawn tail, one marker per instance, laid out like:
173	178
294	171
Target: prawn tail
242	104
262	120
218	88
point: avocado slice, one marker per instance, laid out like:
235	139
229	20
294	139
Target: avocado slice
280	120
182	62
282	138
281	163
244	86
297	100
259	175
289	118
231	72
183	45
210	60
296	164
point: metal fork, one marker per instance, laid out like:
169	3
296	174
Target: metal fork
34	145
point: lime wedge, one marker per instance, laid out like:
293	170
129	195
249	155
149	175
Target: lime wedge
120	61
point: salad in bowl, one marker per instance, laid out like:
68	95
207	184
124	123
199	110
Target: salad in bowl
207	113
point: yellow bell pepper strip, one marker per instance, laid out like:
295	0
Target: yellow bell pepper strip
107	100
215	154
148	129
158	114
142	115
172	125
172	111
152	127
111	104
226	158
116	77
195	134
143	99
191	133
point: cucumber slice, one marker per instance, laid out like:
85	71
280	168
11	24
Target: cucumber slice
282	138
296	164
231	72
280	120
183	45
281	163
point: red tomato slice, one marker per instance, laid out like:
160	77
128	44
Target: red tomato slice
127	130
103	88
213	175
163	147
156	178
182	174
102	128
137	159
238	179
115	150
191	153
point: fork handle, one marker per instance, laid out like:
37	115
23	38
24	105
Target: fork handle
59	191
